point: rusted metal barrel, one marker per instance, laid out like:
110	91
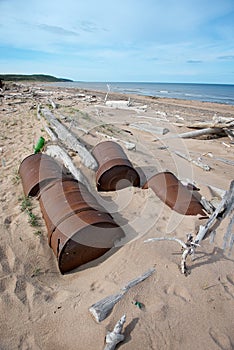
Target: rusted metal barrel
61	199
84	237
79	229
115	171
173	193
37	170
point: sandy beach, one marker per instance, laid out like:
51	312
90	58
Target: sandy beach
43	309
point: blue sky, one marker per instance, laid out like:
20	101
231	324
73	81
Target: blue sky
124	40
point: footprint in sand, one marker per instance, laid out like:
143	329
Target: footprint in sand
221	339
179	291
228	285
96	286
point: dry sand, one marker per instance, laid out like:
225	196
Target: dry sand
42	309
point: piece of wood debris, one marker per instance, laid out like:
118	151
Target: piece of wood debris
223	160
116	336
54	105
121	104
156	119
69	139
39	111
217	122
208	206
157	239
149	128
103	308
197	162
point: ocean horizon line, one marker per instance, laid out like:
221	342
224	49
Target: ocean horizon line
146	82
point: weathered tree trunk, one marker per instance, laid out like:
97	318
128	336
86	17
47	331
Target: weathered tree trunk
70	140
58	152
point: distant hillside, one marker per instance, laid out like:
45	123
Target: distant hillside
32	77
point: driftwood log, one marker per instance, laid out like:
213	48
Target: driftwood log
202	132
69	139
220	125
103	308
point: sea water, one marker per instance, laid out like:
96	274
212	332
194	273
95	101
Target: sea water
219	93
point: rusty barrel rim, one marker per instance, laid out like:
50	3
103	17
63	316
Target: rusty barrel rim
114	166
37	170
89	235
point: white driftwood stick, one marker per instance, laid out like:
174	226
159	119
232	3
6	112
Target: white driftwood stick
70	140
138	280
153	118
207	205
58	152
38	111
185	254
195	162
149	128
121	104
225	161
53	104
230	133
223	120
217	122
229	235
103	308
156	239
116	336
188	247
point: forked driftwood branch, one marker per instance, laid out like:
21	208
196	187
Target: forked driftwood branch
225	208
116	336
69	139
103	308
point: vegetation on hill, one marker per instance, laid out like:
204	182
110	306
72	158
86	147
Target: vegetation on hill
32	77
